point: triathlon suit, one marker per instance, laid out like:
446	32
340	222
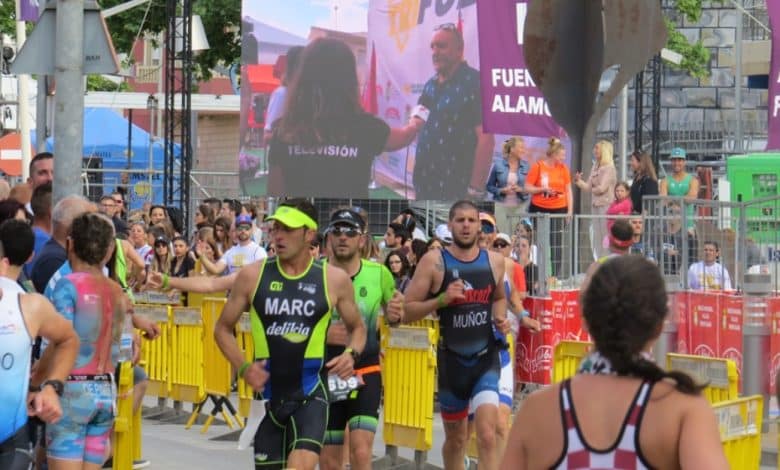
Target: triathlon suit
15	353
82	434
374	286
290	318
624	454
468	361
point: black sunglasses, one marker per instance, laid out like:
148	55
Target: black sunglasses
350	232
446	27
500	245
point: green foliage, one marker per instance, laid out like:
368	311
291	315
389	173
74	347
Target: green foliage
100	83
221	22
696	57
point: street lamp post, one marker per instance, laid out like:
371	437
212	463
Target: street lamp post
152	105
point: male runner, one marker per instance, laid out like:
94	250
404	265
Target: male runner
461	282
374	288
24	317
290	298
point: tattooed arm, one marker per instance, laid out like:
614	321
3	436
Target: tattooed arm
427	279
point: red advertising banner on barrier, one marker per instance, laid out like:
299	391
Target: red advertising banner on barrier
558	316
774	342
534	355
680	312
704	323
573	317
730	335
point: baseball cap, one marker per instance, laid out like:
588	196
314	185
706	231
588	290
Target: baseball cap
347	217
504	237
678	152
485	217
243	220
443	233
292	217
161	241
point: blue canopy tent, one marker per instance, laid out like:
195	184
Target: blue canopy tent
105	148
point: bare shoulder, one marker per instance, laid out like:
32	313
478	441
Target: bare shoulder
336	276
538	407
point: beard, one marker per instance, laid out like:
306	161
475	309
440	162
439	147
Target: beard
344	255
464	244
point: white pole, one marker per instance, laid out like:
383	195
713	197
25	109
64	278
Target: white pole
23	100
623	134
738	134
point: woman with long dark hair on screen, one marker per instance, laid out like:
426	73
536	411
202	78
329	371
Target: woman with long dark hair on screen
325	142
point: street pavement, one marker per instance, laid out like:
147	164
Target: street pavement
171	447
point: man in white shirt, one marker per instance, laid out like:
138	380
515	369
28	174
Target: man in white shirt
708	274
245	252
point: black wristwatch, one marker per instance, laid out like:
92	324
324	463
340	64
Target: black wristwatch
57	385
355	355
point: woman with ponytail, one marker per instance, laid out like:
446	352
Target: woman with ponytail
621	410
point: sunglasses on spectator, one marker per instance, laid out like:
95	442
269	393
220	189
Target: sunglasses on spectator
446	27
118	201
244	227
500	245
488	228
350	232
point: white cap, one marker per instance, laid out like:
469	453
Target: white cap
443	233
505	237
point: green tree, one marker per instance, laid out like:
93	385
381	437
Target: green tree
221	22
695	57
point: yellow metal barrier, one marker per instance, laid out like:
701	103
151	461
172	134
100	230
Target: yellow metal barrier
720	375
186	355
156	355
217	372
123	422
408	380
567	357
247	346
740	423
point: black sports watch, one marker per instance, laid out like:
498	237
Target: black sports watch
355	355
57	385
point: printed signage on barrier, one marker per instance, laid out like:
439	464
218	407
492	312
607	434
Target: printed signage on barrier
534	354
680	305
704	323
774	342
573	317
730	336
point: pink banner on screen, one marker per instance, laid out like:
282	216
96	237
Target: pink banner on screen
773	142
511	102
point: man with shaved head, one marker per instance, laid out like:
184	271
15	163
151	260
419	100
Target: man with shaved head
53	253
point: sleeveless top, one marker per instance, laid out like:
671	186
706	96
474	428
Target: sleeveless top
87	302
624	454
15	352
679	188
374	286
290	316
467	325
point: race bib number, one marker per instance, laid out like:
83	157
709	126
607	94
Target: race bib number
340	389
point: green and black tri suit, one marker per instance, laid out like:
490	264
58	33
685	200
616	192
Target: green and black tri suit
290	318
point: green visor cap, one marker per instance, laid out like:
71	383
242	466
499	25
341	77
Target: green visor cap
292	218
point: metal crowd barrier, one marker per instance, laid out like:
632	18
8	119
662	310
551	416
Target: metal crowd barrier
720	375
124	435
408	380
740	423
567	358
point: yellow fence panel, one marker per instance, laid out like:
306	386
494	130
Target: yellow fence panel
156	355
123	422
408	381
187	355
247	346
567	357
720	375
740	422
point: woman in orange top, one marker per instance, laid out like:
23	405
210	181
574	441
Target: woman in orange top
549	183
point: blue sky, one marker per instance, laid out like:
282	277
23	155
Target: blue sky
296	16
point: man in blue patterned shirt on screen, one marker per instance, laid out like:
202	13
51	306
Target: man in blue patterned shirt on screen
452	149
